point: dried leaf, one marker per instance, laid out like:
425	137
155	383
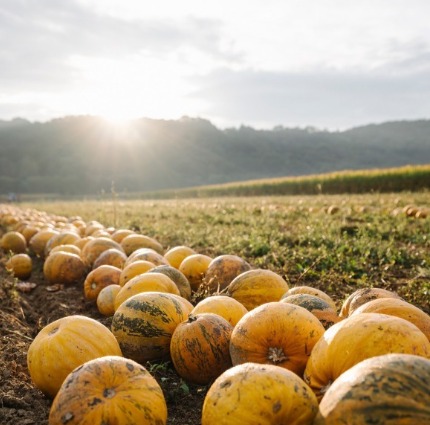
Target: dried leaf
25	286
54	288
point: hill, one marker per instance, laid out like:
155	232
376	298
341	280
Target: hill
83	154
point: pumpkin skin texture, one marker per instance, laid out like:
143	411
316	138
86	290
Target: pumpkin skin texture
144	324
98	279
392	389
65	344
256	287
194	269
311	291
399	308
276	333
255	394
358	338
226	307
176	254
317	306
147	254
133	242
106	299
111	257
199	348
134	269
109	390
222	270
179	278
93	248
64	268
20	265
13	241
362	296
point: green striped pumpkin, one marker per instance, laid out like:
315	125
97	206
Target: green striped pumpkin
144	324
392	389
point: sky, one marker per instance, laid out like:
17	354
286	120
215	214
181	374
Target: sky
329	64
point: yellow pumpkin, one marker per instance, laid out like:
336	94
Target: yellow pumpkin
67	248
180	280
176	255
134	269
64	268
194	269
133	242
93	248
109	390
63	238
106	299
256	394
276	333
20	265
13	241
120	234
98	279
311	291
37	243
111	257
63	345
147	254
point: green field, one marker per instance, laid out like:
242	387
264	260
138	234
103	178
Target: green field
369	241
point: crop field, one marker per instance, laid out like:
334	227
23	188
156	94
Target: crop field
335	243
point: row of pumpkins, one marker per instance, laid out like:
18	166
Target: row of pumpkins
271	354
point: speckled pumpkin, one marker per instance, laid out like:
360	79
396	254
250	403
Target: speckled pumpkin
176	254
256	287
64	268
276	333
311	291
63	345
392	389
63	238
93	248
134	269
133	242
106	299
147	254
98	279
111	257
144	324
178	277
255	394
358	338
109	390
199	348
194	269
37	243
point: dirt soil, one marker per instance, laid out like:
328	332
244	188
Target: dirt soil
24	314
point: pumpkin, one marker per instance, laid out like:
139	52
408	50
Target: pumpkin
176	254
311	291
63	345
147	282
133	242
256	287
38	241
67	248
111	257
357	338
13	241
92	227
222	270
390	389
144	324
147	254
362	296
119	234
83	241
20	265
29	231
63	238
109	390
93	248
194	269
226	307
64	268
98	279
399	308
276	333
180	280
134	269
317	306
106	299
255	394
199	348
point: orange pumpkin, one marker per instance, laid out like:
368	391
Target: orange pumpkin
256	287
176	255
14	242
144	324
67	248
147	254
109	390
98	279
63	345
111	257
357	338
311	291
226	307
276	333
20	265
199	347
222	270
93	248
389	389
180	280
64	268
37	243
252	393
120	234
133	242
106	299
194	269
63	238
134	269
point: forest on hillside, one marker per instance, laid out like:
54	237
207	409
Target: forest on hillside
79	155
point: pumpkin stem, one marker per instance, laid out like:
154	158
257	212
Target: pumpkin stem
191	318
109	392
276	355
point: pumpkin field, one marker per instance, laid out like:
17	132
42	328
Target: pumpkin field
203	293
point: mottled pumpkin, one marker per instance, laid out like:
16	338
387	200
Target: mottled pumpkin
179	278
256	287
111	257
392	389
98	279
362	296
119	234
255	394
176	255
134	269
20	265
65	344
63	238
133	242
226	307
64	268
317	306
109	390
358	338
146	282
14	242
106	299
194	269
199	348
222	270
276	333
144	324
147	254
37	243
93	248
67	248
311	291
